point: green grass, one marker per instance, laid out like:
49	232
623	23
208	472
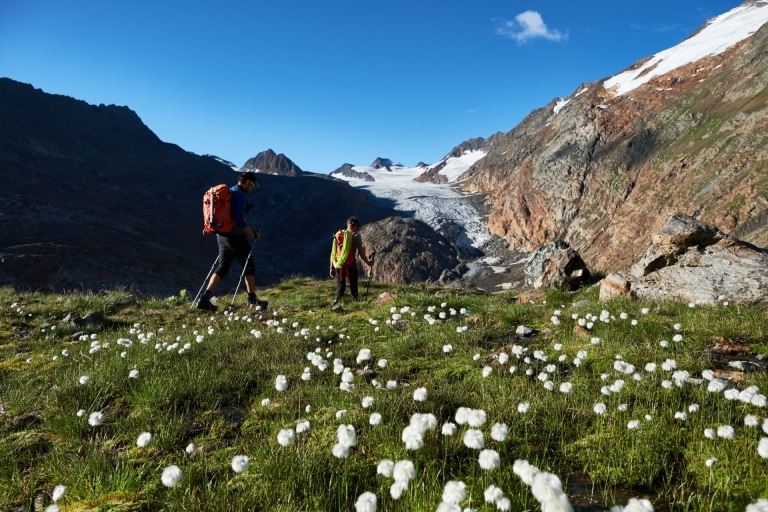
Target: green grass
209	380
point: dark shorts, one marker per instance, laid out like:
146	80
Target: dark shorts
233	247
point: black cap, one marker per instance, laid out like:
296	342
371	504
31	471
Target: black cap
249	176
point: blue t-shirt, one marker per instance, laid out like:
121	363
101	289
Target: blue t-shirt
237	203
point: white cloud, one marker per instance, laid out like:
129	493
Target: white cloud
529	25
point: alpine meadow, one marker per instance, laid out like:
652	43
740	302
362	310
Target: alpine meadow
414	398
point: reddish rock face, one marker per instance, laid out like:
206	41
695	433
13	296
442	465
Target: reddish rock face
604	172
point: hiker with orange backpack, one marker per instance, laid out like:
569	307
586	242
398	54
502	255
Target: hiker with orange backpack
224	213
347	243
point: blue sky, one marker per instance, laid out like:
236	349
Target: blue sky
332	82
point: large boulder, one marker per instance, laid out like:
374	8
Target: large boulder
556	265
407	251
691	261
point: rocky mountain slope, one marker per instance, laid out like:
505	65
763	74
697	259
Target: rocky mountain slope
602	170
91	199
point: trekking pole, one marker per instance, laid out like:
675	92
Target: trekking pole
370	273
242	274
206	280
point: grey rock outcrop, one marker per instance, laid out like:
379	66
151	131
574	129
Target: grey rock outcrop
694	262
556	265
407	250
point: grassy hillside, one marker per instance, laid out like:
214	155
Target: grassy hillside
425	399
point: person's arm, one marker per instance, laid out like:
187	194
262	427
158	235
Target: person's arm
239	204
361	250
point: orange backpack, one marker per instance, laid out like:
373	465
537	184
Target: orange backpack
217	210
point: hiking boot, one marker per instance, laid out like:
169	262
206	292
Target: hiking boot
355	299
253	301
205	304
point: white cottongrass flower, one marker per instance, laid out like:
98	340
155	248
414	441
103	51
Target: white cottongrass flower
449	429
489	459
622	407
492	494
240	463
302	427
487	370
476	418
750	420
499	432
265	402
503	358
710	433
347	435
397	489
58	493
682	416
420	394
476	357
95	419
650	367
523	407
385	468
566	387
760	505
367	402
633	425
447	348
412	437
454	492
693	408
525	470
462	415
190	448
391	384
382	363
84	379
133	374
286	437
143	439
725	431
600	408
171	476
765	425
710	462
80	413
375	419
762	447
340	451
404	471
281	383
363	355
717	385
366	502
677	338
474	439
637	505
548	490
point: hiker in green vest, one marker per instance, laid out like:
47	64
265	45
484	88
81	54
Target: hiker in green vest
346	245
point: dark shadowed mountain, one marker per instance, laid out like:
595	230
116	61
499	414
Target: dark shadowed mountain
91	199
